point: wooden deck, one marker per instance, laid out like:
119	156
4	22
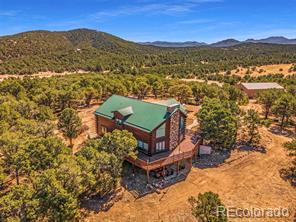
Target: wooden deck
185	150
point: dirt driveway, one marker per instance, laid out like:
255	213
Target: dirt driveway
246	179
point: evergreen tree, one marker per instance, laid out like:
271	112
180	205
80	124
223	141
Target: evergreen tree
206	208
283	108
55	202
181	92
251	123
19	204
70	124
218	123
267	99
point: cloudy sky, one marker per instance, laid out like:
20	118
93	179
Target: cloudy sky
150	20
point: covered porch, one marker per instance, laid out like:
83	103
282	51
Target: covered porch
169	164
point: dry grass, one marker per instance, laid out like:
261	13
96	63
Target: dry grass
253	105
40	75
263	70
202	81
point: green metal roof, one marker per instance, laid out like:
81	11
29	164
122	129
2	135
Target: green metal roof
170	102
146	116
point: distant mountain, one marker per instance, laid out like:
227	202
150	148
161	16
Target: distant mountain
45	42
35	51
226	43
222	44
91	50
273	40
174	44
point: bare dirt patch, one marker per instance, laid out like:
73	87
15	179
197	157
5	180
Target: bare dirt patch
253	105
40	75
203	81
262	70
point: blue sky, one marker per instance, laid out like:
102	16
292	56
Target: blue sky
150	20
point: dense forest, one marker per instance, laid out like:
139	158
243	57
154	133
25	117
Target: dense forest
90	50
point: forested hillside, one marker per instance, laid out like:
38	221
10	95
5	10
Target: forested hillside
90	50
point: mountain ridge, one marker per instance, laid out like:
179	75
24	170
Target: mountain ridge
281	40
91	50
174	44
95	35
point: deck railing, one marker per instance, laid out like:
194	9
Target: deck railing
164	161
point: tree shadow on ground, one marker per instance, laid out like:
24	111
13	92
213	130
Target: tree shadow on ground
219	157
92	204
246	148
97	203
211	161
135	181
281	132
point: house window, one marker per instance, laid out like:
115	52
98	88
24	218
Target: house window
142	145
104	129
160	146
182	122
160	132
118	121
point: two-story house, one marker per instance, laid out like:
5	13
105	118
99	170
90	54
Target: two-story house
158	127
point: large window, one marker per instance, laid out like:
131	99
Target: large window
142	145
160	146
160	132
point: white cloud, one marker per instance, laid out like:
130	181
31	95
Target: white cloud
152	7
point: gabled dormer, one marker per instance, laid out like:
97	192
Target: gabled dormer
123	114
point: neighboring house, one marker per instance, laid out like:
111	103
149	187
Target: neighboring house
158	127
252	89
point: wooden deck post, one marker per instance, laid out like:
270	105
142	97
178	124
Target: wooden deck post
148	176
190	161
133	169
